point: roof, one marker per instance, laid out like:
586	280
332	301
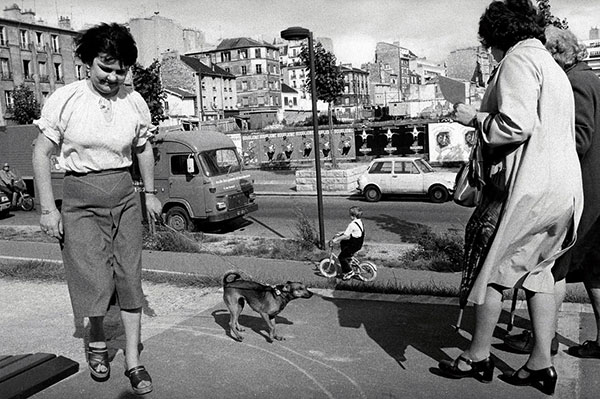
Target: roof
242	42
287	89
203	69
180	92
197	140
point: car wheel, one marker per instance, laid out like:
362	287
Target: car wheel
178	219
438	194
372	194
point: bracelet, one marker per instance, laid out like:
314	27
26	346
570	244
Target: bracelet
47	212
155	191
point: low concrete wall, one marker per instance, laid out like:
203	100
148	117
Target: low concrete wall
341	179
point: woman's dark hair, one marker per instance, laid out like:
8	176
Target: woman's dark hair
114	40
505	23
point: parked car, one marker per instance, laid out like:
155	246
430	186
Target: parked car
405	175
4	205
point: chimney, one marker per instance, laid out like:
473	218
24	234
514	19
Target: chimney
28	16
12	12
64	23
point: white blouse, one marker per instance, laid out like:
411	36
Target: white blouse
94	133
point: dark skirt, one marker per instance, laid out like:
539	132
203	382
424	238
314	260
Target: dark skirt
102	250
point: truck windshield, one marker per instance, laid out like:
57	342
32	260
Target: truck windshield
220	162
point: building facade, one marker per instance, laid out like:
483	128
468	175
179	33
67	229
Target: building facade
356	93
593	50
255	65
394	61
473	64
36	55
213	87
155	35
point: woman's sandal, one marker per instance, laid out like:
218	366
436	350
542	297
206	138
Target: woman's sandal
98	363
136	376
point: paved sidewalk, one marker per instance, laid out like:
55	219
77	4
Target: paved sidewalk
339	344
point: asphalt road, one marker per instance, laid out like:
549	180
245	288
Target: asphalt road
388	221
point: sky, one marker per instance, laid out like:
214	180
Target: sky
429	28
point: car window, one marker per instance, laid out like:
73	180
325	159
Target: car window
381	168
179	164
424	166
405	167
411	168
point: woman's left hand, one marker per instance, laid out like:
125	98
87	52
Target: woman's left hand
153	206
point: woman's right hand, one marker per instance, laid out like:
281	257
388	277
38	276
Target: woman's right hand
51	223
464	114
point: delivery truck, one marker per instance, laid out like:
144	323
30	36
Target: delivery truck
198	174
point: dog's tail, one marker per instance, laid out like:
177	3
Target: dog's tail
230	277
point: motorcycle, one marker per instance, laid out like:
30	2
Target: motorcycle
23	200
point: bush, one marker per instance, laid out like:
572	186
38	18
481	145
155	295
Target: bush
441	253
306	233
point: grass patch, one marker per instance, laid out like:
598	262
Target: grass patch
32	270
435	252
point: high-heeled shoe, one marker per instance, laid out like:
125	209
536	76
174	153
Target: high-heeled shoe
543	379
482	370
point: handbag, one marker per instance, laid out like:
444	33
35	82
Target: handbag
468	186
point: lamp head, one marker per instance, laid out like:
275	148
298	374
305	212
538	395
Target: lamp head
295	33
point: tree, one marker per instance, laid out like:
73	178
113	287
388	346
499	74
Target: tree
329	82
544	7
25	108
146	81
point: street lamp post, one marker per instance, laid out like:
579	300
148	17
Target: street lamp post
298	33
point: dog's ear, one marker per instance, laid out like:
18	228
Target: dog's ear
288	283
286	287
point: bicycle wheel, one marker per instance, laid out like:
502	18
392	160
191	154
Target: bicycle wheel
327	267
27	204
367	271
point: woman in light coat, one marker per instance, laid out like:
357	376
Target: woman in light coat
533	197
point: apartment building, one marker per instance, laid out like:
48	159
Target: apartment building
593	50
35	54
156	34
393	61
356	93
473	64
255	65
214	88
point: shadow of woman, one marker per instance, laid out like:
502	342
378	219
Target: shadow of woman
427	327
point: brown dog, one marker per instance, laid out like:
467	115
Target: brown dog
266	300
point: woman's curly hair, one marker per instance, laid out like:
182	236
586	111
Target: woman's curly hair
113	40
564	46
505	23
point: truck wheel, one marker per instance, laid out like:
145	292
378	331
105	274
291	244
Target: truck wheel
438	194
178	219
372	194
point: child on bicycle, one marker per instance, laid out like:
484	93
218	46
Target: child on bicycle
351	241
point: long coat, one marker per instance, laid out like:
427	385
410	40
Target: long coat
586	252
529	101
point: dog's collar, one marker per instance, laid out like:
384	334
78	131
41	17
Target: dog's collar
276	290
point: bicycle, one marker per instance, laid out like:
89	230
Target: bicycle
363	270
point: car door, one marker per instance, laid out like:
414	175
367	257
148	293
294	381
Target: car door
409	177
380	173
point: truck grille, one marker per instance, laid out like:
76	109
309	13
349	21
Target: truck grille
237	201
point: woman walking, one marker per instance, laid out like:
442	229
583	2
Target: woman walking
95	126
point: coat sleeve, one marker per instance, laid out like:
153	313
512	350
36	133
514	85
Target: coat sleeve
517	90
584	115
